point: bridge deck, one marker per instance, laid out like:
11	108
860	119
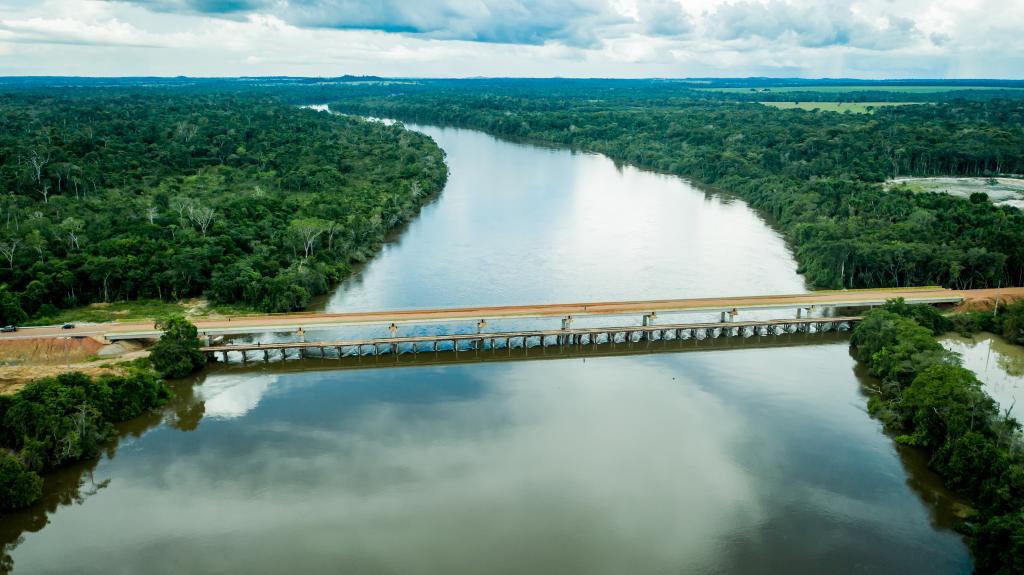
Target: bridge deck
313	320
310	321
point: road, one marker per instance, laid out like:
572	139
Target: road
312	321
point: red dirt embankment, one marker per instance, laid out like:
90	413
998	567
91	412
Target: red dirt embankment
986	299
25	360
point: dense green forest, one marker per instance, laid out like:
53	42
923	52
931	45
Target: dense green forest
122	194
816	174
931	402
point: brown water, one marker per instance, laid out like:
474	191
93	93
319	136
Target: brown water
998	363
731	457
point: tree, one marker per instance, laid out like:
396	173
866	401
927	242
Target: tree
308	230
8	248
201	216
943	403
177	353
1013	323
11	312
998	545
19	487
72	228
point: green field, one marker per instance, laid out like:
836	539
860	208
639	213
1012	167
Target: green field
850	107
858	88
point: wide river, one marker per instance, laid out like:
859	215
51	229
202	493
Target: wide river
741	458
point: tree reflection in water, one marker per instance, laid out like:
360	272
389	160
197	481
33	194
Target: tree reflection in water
74	484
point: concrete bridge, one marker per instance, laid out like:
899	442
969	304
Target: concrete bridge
728	308
625	336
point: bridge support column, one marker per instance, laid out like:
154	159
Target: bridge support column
566	325
648	321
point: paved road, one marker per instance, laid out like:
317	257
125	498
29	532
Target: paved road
309	321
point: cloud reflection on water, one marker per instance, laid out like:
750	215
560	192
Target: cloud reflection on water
565	472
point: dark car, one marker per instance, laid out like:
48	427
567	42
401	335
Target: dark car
9	328
68	326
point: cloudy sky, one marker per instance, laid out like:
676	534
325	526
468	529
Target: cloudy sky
607	38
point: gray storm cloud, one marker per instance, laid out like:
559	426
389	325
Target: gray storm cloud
572	22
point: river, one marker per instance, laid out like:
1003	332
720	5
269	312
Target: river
740	458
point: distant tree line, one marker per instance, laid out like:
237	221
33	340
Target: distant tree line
817	175
118	195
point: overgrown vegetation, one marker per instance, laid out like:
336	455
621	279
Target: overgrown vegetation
818	175
930	401
60	420
125	195
177	353
1007	321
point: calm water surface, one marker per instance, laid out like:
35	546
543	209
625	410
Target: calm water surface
744	459
998	363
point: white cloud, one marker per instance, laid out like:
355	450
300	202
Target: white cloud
866	38
812	24
69	31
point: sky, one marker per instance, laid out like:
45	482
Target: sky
522	38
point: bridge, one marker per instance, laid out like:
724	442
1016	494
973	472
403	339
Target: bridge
812	312
507	341
728	308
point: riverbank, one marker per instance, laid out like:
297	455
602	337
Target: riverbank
930	401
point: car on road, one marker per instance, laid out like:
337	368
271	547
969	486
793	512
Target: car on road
9	328
68	326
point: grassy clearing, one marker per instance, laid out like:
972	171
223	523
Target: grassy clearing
857	88
1001	191
851	107
138	310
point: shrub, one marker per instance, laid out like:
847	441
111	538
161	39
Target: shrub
19	487
1013	323
177	353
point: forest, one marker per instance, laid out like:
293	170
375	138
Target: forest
817	175
930	401
110	195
